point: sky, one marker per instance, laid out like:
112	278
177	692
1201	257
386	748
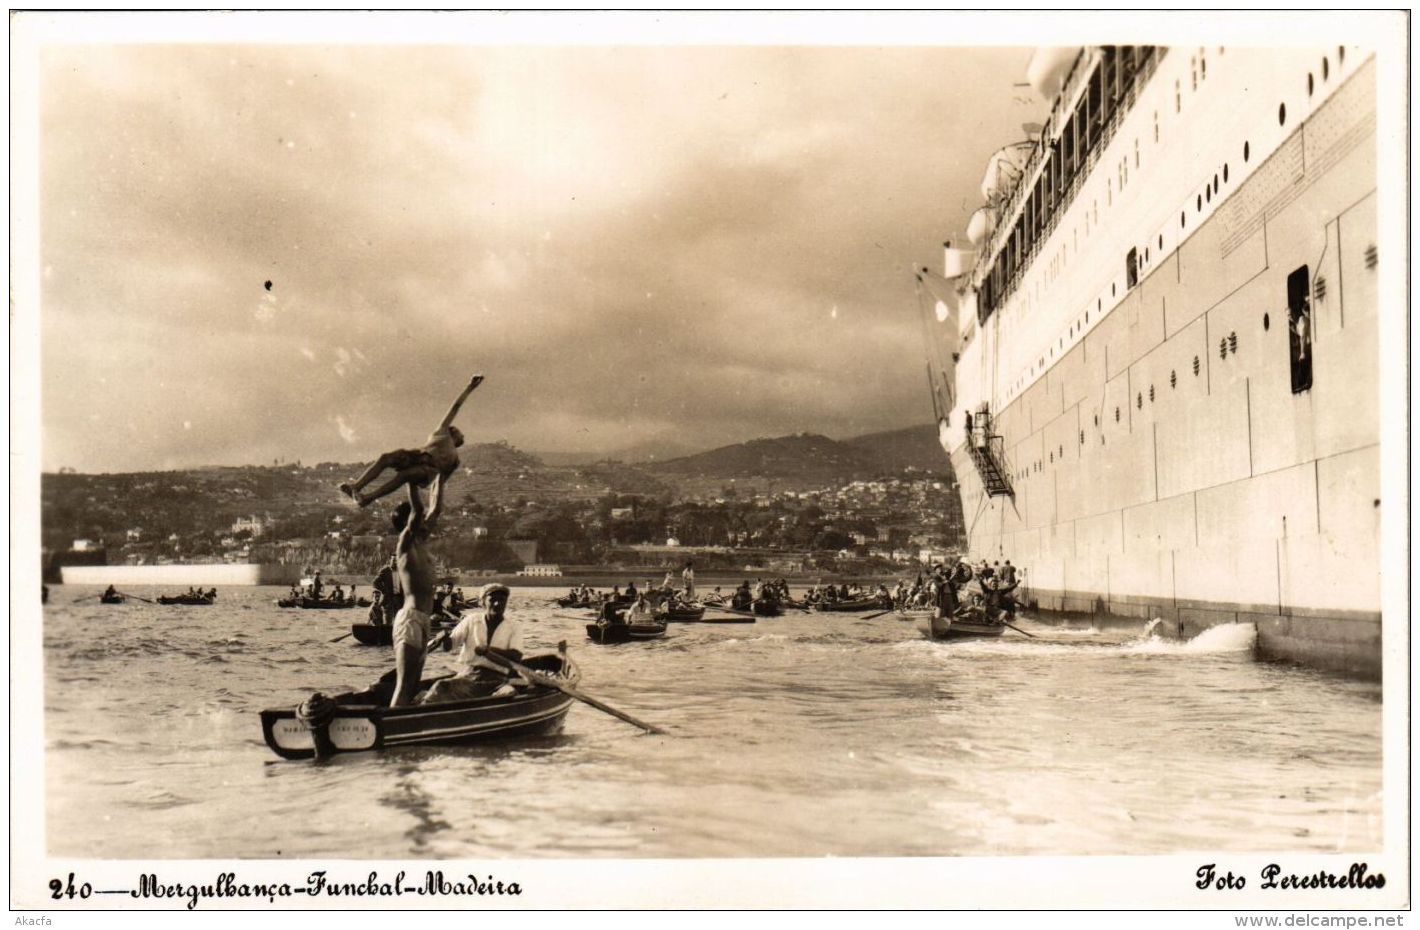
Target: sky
673	245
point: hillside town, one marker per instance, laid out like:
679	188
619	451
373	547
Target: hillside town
512	515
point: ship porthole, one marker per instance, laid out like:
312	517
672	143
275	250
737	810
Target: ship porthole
1281	114
1215	183
1266	322
1182	220
1195	366
1245	151
1116	414
1200	203
1173	378
1209	192
1225	174
1325	69
1161	242
1139	402
1341	54
1311	84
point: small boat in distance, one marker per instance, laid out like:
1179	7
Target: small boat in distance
605	634
189	600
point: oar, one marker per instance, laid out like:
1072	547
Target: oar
136	597
1019	630
550	682
876	615
85	598
343	636
732	610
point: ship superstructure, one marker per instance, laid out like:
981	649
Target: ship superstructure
1155	371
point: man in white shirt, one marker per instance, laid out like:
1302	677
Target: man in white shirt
689	577
479	676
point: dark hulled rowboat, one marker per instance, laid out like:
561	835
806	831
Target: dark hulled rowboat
767	608
186	599
972	626
360	721
313	603
856	605
607	633
111	599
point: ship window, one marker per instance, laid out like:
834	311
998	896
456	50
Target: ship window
1200	203
1223	347
1082	437
1266	322
1140	400
1097	419
1225	174
1177	97
1311	85
1215	183
1151	393
1233	342
1161	242
1112	290
1245	151
1281	114
1299	340
1116	414
1341	54
1195	366
1156	126
1182	220
1325	69
1208	193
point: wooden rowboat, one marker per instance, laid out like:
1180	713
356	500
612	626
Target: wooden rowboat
605	634
363	720
857	605
311	603
767	608
973	626
682	615
111	598
381	634
186	599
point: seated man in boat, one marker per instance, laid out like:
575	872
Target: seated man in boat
414	624
337	594
110	592
479	676
419	468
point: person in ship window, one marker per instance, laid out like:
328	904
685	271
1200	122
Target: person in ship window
430	466
492	630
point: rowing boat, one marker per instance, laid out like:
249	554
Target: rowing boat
965	627
305	602
186	599
854	606
681	614
111	598
607	633
363	720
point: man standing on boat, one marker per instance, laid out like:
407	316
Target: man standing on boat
689	577
479	676
413	625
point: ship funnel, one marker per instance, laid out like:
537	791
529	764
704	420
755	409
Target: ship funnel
1048	69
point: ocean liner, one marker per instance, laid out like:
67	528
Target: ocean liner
1155	368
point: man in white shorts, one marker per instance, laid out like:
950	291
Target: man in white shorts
413	625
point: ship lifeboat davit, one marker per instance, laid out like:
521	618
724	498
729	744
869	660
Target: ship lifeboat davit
981	225
1048	69
1003	171
957	262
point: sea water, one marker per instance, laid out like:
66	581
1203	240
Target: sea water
805	735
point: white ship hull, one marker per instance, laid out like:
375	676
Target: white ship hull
1160	463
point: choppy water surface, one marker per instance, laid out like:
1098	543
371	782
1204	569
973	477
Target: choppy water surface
806	735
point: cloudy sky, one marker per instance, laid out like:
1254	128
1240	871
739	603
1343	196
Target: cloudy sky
678	244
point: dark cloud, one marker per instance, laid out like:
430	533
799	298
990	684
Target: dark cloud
630	242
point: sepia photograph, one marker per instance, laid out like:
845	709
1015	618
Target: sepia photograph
706	460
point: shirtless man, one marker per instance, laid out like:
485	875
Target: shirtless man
418	467
413	625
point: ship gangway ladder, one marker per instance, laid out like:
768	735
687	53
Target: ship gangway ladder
989	455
